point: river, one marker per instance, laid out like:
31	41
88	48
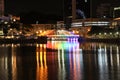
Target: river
60	60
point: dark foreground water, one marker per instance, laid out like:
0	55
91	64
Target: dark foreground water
60	60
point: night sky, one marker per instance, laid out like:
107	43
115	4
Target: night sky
42	6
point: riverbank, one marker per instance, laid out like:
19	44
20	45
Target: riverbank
40	40
107	40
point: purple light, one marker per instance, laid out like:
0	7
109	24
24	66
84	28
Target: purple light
76	39
68	39
73	39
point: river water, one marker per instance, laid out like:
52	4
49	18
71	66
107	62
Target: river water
60	60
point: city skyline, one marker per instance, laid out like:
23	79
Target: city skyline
52	11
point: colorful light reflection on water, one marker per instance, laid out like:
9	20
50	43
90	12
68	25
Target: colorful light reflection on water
63	45
86	61
55	62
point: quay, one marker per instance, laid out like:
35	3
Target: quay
41	40
105	40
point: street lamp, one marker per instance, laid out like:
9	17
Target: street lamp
117	33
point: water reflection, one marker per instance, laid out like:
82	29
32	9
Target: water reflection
94	60
42	71
60	60
14	68
64	46
61	65
14	62
8	69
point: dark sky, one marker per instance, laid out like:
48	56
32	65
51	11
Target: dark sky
42	6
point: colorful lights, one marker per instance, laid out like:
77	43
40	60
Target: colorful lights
66	45
72	39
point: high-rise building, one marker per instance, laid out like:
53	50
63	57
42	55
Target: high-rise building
1	8
116	9
116	12
67	13
107	9
103	10
75	9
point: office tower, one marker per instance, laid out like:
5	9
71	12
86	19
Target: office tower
116	9
116	12
75	9
67	13
83	9
103	10
1	8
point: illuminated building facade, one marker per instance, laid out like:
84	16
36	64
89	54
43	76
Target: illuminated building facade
115	8
1	7
116	12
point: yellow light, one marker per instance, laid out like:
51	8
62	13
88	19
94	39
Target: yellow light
77	31
20	32
12	36
105	33
99	33
14	20
10	29
40	31
110	33
88	29
5	22
117	32
37	32
44	32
